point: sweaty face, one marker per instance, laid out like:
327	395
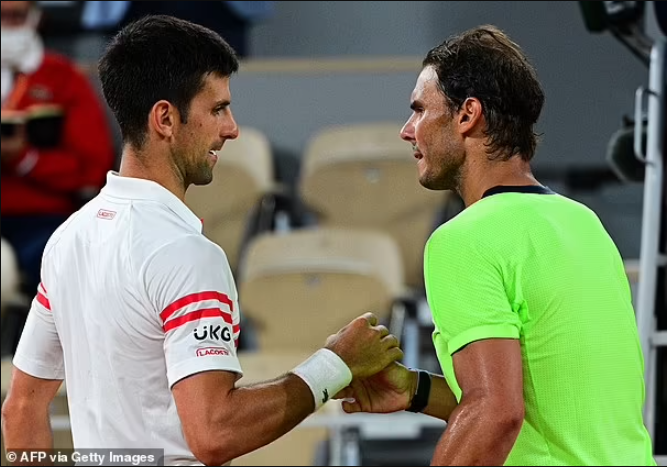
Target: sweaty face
210	123
430	129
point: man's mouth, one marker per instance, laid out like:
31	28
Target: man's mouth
415	151
215	150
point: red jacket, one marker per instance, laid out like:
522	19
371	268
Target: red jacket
56	176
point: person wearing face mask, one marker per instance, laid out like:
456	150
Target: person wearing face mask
56	140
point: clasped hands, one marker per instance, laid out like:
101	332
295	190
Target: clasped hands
380	383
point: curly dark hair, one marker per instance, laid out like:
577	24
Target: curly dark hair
486	64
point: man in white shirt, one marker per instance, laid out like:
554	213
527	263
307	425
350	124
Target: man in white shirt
137	310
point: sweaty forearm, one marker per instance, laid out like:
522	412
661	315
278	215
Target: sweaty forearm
222	422
441	400
26	429
477	435
259	415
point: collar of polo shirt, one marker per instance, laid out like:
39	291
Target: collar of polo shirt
141	189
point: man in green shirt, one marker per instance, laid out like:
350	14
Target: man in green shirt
534	325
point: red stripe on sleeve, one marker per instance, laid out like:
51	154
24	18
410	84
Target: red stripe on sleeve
196	316
195	298
41	298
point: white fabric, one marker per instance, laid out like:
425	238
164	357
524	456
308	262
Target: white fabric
133	299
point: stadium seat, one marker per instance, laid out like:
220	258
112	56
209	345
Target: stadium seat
300	445
301	286
6	374
365	176
243	175
9	274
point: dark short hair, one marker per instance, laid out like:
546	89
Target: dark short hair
159	57
486	64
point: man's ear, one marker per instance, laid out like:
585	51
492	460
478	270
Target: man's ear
162	118
470	115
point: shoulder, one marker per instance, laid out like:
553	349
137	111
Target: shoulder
186	253
454	252
156	229
196	247
185	266
484	232
61	232
469	227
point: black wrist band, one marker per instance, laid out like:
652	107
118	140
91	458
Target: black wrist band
420	399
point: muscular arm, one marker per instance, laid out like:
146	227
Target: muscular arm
38	373
484	427
25	412
199	312
441	400
197	299
222	422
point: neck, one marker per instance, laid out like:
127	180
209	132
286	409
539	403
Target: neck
481	174
148	166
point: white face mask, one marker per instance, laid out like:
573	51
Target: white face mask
19	43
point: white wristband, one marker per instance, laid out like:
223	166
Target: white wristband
325	373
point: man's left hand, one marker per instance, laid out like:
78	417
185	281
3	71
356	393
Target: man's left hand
390	390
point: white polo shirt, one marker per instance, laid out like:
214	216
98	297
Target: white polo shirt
133	299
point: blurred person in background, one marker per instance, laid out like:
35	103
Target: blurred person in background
231	19
56	140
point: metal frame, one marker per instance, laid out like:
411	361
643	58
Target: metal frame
651	258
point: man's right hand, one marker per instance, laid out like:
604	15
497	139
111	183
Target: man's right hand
390	390
365	346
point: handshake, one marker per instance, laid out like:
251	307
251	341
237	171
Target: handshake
364	370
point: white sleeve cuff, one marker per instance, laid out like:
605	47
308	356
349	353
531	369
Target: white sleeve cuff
37	369
201	364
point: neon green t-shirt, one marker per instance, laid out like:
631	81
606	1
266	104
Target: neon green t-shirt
541	268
